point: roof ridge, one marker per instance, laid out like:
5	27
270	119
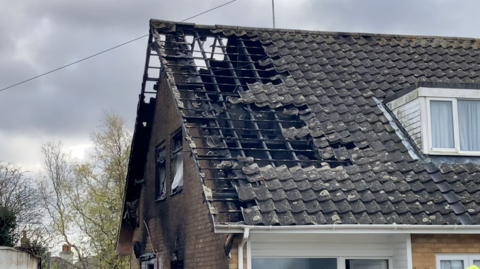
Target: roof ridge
311	32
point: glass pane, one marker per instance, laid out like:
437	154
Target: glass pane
451	264
294	263
442	124
177	184
476	262
469	125
367	264
160	173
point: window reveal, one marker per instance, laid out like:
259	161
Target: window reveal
176	163
160	173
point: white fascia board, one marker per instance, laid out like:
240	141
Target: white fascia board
448	93
352	229
433	92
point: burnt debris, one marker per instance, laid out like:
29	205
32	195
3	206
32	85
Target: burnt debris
214	76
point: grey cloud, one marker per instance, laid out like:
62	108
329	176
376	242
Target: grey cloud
67	104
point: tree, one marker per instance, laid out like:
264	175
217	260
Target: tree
17	193
8	224
88	195
19	207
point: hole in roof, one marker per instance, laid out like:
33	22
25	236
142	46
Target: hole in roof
349	145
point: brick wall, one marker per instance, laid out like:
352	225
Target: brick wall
181	221
425	246
233	261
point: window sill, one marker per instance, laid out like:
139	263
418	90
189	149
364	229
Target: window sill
176	192
159	200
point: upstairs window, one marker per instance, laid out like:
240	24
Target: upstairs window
160	173
440	120
176	162
454	125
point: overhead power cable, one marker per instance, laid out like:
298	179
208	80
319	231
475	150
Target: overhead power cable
107	50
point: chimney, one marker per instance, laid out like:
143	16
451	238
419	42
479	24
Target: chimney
67	253
24	241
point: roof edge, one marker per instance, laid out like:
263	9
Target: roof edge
351	229
426	84
298	31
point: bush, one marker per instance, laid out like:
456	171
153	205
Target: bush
8	223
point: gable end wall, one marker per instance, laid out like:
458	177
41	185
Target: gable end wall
182	218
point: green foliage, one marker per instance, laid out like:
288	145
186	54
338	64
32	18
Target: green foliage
41	250
8	224
88	195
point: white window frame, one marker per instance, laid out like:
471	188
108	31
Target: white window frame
456	133
341	260
467	258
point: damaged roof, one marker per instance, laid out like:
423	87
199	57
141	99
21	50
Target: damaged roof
287	127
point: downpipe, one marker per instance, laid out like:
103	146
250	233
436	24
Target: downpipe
246	235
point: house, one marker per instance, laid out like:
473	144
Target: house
64	260
60	263
270	148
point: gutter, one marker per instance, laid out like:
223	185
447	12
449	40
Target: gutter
346	229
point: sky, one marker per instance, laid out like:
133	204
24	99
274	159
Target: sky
37	36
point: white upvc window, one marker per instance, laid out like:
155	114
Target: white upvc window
322	263
453	125
456	261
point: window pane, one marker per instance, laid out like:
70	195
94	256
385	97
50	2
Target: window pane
177	184
469	125
176	164
160	173
476	262
442	124
367	264
451	264
294	263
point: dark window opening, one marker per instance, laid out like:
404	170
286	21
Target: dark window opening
176	163
160	172
349	145
176	264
